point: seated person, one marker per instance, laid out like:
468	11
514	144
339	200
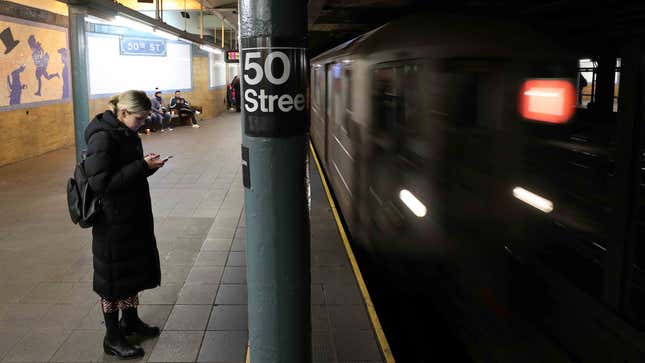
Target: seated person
182	106
159	114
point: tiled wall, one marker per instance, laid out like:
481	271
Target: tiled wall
29	132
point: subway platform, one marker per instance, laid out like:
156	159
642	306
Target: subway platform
48	311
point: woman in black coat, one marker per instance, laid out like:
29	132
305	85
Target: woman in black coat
126	259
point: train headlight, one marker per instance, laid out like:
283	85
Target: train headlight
533	200
413	203
547	100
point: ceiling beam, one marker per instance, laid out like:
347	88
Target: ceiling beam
225	7
109	8
222	18
356	15
220	11
368	3
341	27
313	10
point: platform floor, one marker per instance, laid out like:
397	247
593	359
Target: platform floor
48	311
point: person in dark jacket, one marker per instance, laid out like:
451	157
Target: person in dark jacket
238	96
229	96
159	112
125	255
183	107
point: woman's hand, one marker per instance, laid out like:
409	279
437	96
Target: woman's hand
154	161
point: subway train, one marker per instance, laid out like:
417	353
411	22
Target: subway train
502	170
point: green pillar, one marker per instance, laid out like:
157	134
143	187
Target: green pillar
80	85
273	40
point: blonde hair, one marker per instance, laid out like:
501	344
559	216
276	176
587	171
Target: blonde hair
133	101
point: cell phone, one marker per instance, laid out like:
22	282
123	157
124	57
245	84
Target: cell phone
165	158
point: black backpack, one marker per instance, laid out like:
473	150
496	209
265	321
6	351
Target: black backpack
84	205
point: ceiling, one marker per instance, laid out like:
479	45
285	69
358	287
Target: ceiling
332	22
225	8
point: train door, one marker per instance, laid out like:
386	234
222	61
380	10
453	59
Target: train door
340	148
318	110
407	166
329	110
384	178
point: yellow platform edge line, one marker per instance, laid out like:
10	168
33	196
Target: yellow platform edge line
376	324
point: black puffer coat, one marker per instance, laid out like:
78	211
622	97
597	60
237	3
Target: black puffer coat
126	259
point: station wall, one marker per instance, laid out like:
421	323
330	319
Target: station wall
34	50
212	101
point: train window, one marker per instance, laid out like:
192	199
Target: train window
587	77
616	84
413	140
386	99
329	89
411	91
316	89
319	94
586	80
348	89
398	100
336	85
454	95
323	87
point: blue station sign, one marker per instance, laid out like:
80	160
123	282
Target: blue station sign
143	46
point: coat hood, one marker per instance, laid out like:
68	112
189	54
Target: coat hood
105	121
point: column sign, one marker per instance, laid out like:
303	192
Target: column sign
273	89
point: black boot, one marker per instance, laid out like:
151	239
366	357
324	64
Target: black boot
131	324
115	343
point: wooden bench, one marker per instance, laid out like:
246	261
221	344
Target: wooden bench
177	119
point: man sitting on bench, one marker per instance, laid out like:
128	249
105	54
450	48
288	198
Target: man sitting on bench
159	113
182	107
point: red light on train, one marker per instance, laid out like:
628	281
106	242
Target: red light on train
552	101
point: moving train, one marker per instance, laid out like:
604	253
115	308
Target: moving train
503	163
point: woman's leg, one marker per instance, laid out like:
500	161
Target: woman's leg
114	342
130	303
111	316
131	323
